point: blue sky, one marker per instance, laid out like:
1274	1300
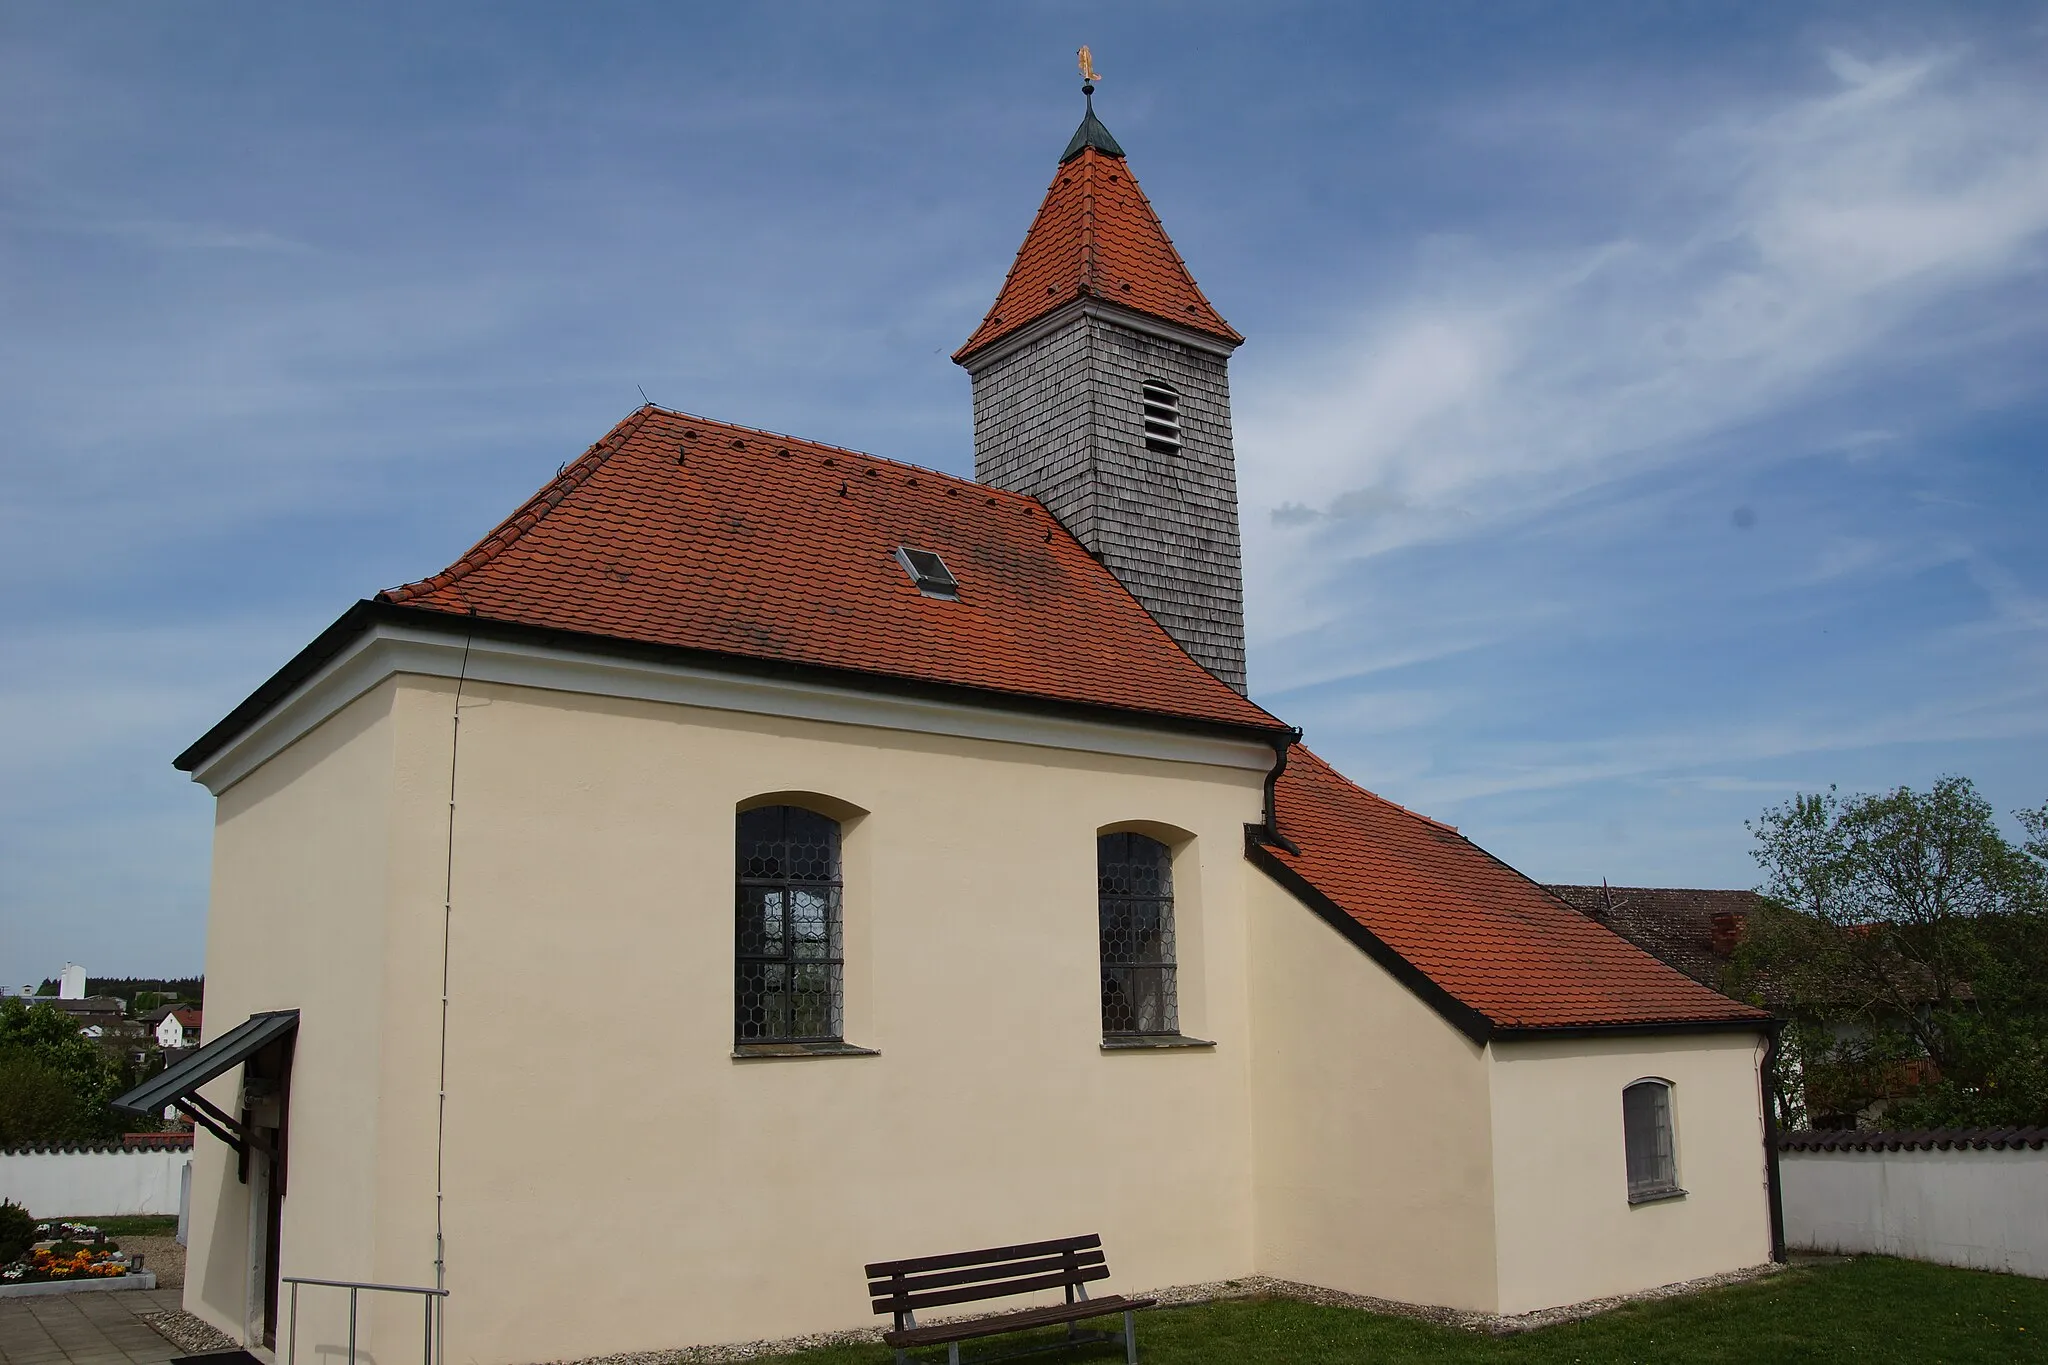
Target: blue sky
1641	419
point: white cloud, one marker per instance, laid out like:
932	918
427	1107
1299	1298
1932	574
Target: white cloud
1770	252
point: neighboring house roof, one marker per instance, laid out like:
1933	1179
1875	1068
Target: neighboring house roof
1492	951
89	1005
189	1018
679	531
1692	930
1096	236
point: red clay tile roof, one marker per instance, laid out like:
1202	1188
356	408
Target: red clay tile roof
1097	236
675	530
1485	936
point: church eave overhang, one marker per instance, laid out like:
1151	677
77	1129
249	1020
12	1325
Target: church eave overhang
336	667
1090	304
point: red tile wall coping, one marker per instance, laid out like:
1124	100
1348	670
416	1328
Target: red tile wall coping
1096	235
1493	941
132	1142
1914	1140
678	530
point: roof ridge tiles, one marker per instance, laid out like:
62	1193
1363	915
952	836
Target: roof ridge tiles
525	517
1375	796
1664	890
1086	284
888	460
1145	202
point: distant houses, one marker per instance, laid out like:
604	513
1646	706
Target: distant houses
97	1016
104	1016
174	1025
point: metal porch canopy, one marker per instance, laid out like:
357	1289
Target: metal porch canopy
179	1084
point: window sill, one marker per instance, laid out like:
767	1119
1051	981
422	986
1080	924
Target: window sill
1148	1042
1655	1196
742	1052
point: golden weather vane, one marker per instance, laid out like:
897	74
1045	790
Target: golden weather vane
1087	65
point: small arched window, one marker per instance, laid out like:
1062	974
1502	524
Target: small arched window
789	954
1134	888
1162	417
1646	1127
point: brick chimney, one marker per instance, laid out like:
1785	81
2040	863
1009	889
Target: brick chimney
1729	926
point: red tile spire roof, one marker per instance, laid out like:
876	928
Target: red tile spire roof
679	531
1096	236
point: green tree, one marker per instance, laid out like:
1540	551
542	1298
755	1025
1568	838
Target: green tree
54	1083
1907	940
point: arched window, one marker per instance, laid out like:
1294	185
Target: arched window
1646	1128
1134	890
1162	417
786	971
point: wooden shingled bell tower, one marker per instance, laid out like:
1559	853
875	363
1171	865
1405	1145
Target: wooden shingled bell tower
1101	387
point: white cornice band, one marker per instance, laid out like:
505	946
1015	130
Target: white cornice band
384	650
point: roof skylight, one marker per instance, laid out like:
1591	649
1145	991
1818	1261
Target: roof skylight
929	572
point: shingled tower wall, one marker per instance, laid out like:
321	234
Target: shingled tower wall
1097	302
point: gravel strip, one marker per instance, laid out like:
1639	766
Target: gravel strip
193	1334
161	1254
1250	1287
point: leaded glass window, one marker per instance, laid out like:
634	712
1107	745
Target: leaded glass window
786	974
1646	1128
1134	889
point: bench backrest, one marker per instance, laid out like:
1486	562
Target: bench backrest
901	1287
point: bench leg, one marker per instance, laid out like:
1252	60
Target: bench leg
1130	1339
952	1353
902	1356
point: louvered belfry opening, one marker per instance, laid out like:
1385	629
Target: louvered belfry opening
1162	418
1101	387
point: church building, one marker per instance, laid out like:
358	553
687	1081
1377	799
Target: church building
754	859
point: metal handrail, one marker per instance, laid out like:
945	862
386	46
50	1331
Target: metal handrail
429	1352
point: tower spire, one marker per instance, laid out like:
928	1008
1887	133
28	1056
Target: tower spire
1101	388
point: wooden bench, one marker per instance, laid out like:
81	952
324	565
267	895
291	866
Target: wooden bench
1071	1263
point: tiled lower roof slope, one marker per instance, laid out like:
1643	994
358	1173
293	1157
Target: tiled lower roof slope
1491	949
675	530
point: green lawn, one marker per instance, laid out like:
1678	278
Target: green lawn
122	1225
1869	1309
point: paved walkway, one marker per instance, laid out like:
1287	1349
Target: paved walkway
86	1329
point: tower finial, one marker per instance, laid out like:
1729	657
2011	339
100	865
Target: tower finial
1091	133
1088	76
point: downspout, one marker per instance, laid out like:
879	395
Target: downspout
1268	832
441	1079
1768	1078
